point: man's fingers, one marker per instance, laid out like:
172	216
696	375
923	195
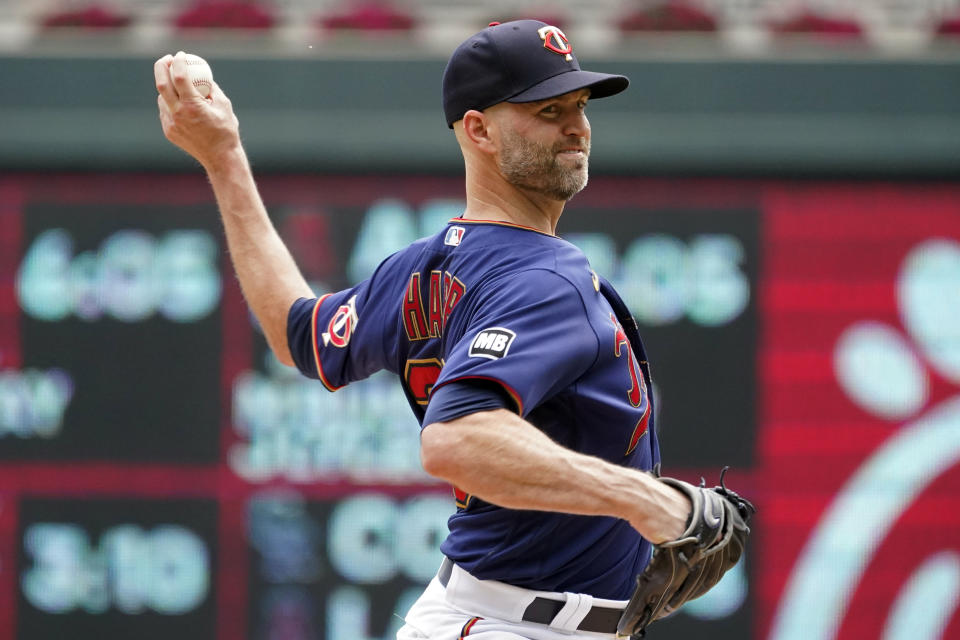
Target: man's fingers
161	75
163	109
166	118
216	93
181	78
165	87
219	99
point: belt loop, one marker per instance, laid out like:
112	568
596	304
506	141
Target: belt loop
446	568
575	609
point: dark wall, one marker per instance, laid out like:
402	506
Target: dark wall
798	117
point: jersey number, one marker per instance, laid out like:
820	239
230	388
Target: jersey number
635	394
419	376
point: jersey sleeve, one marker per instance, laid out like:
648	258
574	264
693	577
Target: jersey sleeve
463	397
346	336
529	333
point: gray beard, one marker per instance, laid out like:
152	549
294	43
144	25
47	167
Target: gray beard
535	167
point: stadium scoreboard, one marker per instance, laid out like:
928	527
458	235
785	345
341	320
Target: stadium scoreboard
163	475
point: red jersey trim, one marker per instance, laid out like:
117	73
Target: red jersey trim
461	497
503	224
316	348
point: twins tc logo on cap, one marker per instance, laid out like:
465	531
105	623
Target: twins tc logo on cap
556	41
492	343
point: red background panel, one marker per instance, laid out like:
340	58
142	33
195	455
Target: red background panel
831	258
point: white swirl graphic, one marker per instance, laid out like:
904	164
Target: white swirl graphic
928	294
878	370
922	610
858	520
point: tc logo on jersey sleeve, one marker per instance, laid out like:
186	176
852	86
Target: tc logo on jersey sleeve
492	343
342	324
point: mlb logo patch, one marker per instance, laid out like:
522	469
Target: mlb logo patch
454	236
492	343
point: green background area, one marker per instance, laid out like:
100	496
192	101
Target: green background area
731	116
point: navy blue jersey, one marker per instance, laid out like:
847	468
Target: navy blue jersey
487	304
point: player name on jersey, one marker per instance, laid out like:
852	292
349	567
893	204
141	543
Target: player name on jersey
445	291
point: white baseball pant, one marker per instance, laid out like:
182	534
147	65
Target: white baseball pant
457	606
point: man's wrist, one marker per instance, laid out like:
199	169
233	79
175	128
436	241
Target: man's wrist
226	161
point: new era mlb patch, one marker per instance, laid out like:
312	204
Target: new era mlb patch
454	236
492	343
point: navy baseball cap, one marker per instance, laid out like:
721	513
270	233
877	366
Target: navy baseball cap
519	61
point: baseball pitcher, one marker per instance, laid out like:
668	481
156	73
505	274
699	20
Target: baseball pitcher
523	366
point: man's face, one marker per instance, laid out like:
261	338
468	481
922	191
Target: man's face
545	145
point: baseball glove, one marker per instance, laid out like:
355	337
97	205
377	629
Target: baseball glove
688	567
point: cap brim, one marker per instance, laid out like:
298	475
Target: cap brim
601	85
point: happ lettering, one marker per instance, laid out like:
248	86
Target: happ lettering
444	291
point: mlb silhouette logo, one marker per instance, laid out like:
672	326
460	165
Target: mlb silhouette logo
454	236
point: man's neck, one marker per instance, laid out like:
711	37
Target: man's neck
508	203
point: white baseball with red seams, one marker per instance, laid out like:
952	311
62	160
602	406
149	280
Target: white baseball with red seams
200	74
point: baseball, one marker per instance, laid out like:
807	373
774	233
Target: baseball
200	74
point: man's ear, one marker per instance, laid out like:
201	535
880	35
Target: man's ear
477	128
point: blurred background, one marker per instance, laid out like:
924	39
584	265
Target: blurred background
777	197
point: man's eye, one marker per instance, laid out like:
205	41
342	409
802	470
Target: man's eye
549	110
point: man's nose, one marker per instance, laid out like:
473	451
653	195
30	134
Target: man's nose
577	125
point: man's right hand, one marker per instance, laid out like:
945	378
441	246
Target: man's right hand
206	128
665	512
